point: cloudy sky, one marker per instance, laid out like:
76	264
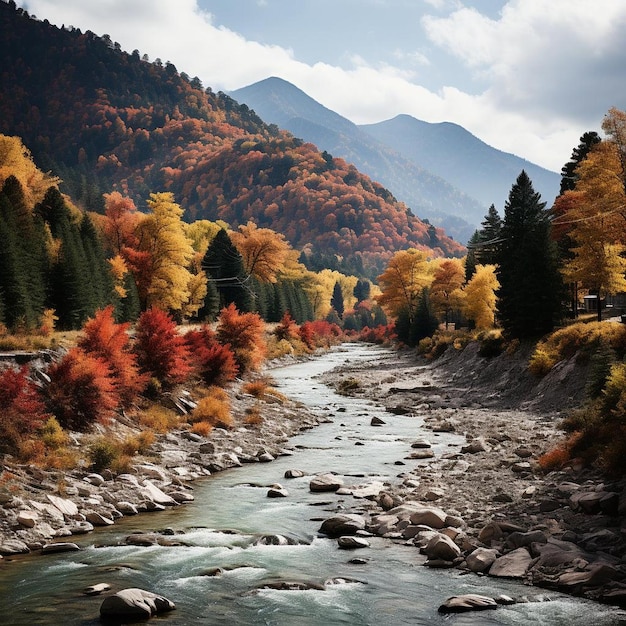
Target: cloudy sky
525	76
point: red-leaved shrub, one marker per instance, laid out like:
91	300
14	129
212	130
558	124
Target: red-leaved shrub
161	350
378	334
287	328
81	390
320	333
105	339
21	410
244	333
214	363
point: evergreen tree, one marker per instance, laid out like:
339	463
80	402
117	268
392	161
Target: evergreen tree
530	296
224	267
26	246
71	292
13	280
336	300
426	322
568	171
362	290
128	309
99	274
489	237
470	259
402	326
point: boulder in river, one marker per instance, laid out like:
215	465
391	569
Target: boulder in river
294	473
134	603
442	547
325	482
481	559
349	542
60	546
347	524
468	602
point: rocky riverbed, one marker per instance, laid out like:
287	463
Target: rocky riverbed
485	505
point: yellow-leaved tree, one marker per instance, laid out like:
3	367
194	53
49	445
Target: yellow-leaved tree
595	219
446	294
16	160
168	283
402	282
479	301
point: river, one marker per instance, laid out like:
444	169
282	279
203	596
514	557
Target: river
391	586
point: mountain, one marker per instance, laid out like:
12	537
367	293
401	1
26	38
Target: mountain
104	120
441	171
279	102
453	153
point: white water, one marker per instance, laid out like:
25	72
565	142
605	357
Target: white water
394	587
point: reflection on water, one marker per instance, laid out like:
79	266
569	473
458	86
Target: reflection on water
215	577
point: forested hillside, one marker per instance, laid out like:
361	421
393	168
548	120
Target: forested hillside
104	120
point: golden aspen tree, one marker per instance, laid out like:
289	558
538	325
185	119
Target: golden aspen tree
402	282
202	232
162	236
595	221
479	301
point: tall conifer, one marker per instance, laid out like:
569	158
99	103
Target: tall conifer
530	297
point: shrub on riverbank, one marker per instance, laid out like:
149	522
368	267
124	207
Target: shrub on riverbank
580	340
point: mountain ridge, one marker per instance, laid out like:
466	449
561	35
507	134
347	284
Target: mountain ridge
425	184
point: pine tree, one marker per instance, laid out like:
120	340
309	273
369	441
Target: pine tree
530	296
71	292
25	250
568	171
13	280
336	301
489	237
470	259
224	267
426	322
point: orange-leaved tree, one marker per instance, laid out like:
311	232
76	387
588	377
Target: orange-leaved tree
161	350
244	332
446	294
402	282
595	217
287	328
105	339
81	390
263	251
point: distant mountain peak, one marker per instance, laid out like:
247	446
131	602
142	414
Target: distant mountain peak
440	169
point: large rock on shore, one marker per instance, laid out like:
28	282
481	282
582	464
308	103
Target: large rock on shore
134	603
515	564
442	547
